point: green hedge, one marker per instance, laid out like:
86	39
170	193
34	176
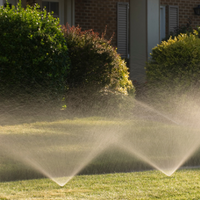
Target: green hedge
95	62
99	78
175	62
33	50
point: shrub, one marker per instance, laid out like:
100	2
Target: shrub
173	73
175	62
99	79
33	50
184	28
95	62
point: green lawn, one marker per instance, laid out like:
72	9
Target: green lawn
94	145
98	146
184	184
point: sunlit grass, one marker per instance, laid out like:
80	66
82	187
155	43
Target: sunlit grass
131	151
184	184
65	136
58	126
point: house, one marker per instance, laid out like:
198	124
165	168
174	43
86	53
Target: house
178	13
139	25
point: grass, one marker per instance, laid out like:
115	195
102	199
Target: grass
54	139
184	184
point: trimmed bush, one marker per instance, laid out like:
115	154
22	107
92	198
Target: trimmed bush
95	62
175	62
173	74
33	50
99	79
185	28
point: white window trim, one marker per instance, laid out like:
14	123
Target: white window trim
61	9
162	22
70	12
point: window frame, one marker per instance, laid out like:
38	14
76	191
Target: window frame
61	9
162	22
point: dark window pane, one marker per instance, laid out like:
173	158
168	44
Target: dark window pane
45	4
54	6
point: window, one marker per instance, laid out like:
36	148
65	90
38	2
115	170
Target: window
51	6
11	2
57	6
173	18
122	29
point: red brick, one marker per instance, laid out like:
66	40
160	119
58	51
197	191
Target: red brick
98	13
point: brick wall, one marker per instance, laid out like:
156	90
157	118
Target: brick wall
186	12
96	14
